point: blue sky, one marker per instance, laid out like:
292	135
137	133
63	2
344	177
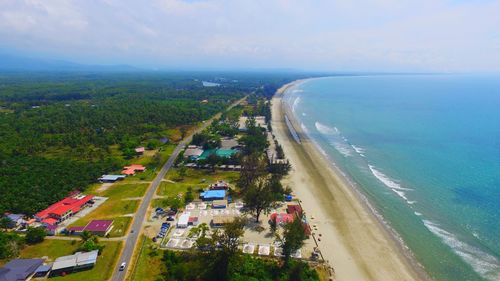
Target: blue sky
346	35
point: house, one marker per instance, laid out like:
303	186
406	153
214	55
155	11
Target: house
140	150
42	271
213	195
96	227
73	263
63	209
51	229
164	140
19	269
132	169
294	210
193	221
222	153
183	221
221	220
75	230
193	152
220	185
282	218
99	227
219	204
111	178
15	220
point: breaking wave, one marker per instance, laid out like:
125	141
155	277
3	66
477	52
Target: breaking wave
486	265
295	104
394	186
335	138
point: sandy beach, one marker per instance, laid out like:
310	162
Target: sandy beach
354	242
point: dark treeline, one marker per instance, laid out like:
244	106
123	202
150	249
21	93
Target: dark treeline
57	129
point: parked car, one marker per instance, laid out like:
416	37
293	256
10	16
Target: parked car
170	218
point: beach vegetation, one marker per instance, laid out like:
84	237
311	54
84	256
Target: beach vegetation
292	239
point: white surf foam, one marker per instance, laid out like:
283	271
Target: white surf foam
483	263
325	130
335	138
385	179
358	149
295	104
392	184
304	114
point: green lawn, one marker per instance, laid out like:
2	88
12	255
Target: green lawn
120	226
115	207
50	248
120	191
148	266
196	179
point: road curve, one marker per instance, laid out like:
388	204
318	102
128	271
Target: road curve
140	215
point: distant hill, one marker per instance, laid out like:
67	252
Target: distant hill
20	63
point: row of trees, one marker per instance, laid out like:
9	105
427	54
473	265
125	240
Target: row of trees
57	131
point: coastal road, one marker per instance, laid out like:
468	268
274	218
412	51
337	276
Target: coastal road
140	215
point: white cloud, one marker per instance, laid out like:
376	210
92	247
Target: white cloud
435	35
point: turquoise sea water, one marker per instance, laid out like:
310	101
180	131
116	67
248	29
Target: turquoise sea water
425	150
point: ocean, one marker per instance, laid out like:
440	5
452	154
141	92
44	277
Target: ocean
425	151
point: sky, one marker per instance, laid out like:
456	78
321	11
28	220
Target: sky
333	35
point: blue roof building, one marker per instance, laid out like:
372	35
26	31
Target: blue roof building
213	195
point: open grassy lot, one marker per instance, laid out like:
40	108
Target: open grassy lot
148	264
194	178
116	206
50	248
126	190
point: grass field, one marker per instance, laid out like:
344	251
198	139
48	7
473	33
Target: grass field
148	265
50	248
116	206
194	178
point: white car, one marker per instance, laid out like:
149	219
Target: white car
122	266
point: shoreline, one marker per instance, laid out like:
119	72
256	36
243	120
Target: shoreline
355	239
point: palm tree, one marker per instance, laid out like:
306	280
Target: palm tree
86	236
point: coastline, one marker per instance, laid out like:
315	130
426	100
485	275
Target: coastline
354	238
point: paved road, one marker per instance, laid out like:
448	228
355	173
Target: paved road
140	215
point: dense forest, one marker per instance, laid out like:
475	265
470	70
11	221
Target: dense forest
57	129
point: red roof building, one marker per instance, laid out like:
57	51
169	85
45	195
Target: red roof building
132	169
63	209
294	210
282	218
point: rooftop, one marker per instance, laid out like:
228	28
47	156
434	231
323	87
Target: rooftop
111	177
73	203
213	194
19	269
99	225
